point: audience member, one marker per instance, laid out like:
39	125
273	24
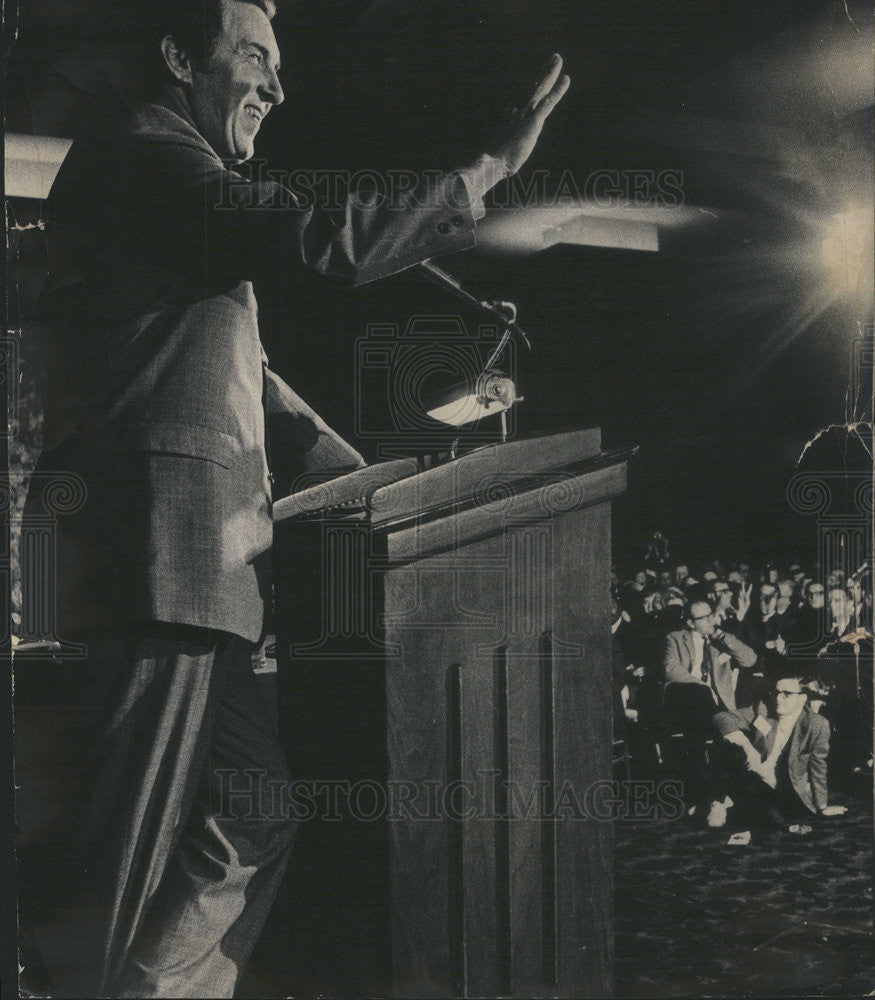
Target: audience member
694	649
701	663
672	616
787	603
846	667
774	768
761	629
805	634
720	596
639	581
657	551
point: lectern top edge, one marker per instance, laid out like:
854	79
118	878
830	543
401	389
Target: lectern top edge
511	460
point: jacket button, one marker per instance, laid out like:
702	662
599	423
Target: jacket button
457	221
443	228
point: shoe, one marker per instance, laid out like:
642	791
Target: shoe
800	829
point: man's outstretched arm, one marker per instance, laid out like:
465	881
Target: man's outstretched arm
255	229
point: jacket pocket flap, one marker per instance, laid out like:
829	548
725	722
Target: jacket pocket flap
182	439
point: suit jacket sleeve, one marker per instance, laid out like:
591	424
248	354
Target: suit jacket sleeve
257	229
733	722
817	761
300	441
676	669
741	653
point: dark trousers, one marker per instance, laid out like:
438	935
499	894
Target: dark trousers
689	709
142	874
756	803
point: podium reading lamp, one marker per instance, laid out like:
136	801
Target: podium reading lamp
491	393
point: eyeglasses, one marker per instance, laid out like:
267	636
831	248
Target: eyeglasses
698	618
722	590
784	693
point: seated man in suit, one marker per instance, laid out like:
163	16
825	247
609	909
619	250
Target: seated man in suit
774	764
808	626
701	664
761	627
845	665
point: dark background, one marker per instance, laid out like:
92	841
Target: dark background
720	356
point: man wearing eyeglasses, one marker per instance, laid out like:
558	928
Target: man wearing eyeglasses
702	654
805	635
845	664
720	596
779	770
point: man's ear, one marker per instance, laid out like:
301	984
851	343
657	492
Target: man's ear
178	60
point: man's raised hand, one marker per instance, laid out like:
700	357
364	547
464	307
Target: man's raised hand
517	139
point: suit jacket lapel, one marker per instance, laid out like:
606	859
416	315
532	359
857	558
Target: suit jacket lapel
691	649
799	734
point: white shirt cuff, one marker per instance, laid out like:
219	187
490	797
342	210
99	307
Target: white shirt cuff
481	177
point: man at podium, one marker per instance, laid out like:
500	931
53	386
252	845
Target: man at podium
164	573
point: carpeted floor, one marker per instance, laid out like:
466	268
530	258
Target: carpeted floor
783	916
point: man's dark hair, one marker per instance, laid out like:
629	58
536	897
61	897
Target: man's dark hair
698	592
196	24
792	672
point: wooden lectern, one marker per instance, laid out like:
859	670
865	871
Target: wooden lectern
445	694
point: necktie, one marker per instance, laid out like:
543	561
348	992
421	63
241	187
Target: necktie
706	662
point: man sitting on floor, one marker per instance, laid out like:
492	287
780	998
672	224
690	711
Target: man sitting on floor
775	767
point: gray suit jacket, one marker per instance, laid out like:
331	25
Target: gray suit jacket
807	749
678	662
159	404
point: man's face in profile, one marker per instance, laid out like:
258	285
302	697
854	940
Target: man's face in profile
238	85
701	618
838	603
